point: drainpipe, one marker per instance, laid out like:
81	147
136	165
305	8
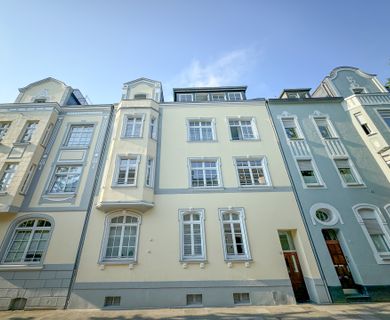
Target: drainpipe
299	205
90	205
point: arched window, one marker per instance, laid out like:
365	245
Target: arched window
28	242
234	234
375	229
121	238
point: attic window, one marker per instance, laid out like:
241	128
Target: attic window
293	95
40	100
358	90
140	96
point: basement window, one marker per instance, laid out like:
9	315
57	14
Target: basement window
194	299
112	301
241	298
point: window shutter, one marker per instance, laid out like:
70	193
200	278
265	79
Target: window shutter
360	118
372	226
305	165
321	122
289	123
342	164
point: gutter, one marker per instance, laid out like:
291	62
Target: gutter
89	208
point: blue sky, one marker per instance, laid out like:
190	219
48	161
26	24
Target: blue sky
96	46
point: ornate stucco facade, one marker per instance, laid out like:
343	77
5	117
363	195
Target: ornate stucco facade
196	202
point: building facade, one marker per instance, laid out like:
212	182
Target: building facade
210	200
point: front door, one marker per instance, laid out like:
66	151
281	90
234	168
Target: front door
293	267
339	261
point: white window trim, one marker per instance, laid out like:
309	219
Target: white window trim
153	129
69	130
3	171
320	184
47	135
387	209
241	213
378	112
200	159
4	132
19	140
106	233
152	172
256	134
264	161
356	174
201	212
28	179
234	92
213	129
185	94
124	121
218	93
380	259
336	217
52	180
293	117
116	174
332	129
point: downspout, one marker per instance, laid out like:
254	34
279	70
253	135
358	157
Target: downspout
89	208
299	205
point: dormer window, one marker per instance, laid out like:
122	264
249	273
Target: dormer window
40	100
218	96
234	96
293	95
201	97
358	90
185	97
140	96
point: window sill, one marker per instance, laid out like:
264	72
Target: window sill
195	189
384	256
355	185
21	267
124	186
313	186
124	137
75	147
202	141
372	134
238	259
117	262
255	187
194	260
21	144
246	140
3	193
59	196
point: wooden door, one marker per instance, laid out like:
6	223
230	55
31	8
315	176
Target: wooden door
339	261
296	276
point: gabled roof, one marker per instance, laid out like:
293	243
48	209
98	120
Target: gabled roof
42	81
336	70
210	89
142	79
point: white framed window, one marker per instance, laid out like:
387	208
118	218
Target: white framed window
79	135
291	129
133	126
153	128
234	235
241	298
363	123
149	180
218	96
325	214
121	237
347	172
205	173
192	242
29	242
243	129
185	97
234	96
325	128
66	179
29	130
385	115
252	172
376	231
140	96
28	179
126	174
4	126
309	174
201	130
201	97
7	175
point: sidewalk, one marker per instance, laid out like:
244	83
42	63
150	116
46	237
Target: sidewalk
371	311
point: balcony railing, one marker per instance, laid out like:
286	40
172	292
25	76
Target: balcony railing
369	99
335	147
299	148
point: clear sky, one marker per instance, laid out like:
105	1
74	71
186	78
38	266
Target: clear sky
96	46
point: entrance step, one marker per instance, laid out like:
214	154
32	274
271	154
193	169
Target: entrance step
350	291
357	298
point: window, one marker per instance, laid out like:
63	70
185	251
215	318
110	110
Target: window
234	96
149	182
153	128
40	100
140	96
192	234
307	172
79	135
122	238
358	90
46	136
111	301
66	179
127	171
201	97
30	128
293	95
205	173
27	181
385	114
7	175
218	96
290	128
324	128
346	172
234	235
29	242
194	299
363	123
185	97
133	127
252	172
242	129
201	130
4	126
241	298
373	225
286	241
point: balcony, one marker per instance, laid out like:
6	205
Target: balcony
369	99
299	148
335	147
